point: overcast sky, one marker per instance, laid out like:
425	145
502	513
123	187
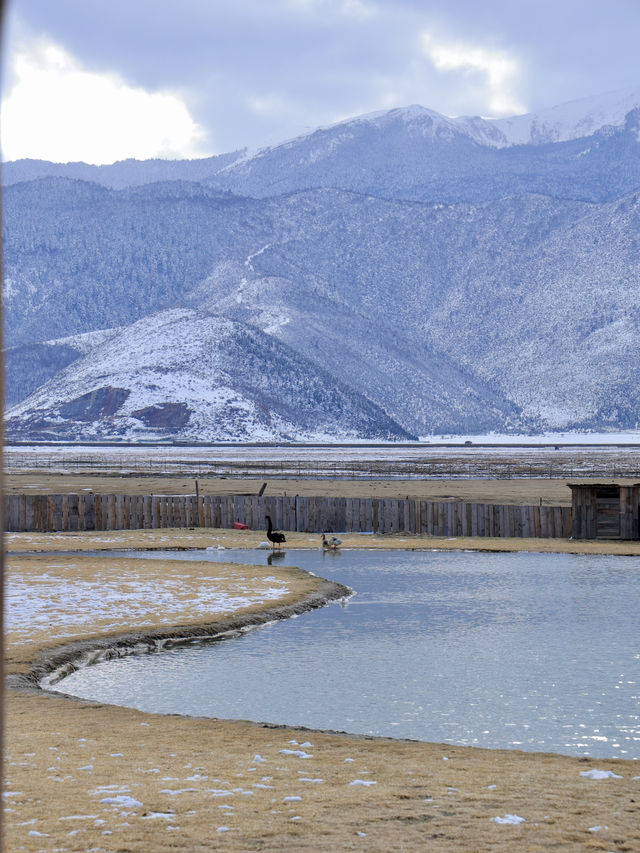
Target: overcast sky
101	80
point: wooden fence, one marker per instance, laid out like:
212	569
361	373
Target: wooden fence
304	514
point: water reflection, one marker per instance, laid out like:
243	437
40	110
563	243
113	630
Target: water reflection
533	651
276	557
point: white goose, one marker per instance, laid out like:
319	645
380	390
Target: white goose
331	544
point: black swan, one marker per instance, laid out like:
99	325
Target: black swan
274	536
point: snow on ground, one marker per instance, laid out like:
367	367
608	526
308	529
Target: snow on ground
599	774
63	600
178	357
509	818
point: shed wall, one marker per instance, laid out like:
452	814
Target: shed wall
598	515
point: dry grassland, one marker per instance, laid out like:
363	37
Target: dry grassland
201	785
516	491
83	776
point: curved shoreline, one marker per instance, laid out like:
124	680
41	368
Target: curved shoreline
67	658
70	656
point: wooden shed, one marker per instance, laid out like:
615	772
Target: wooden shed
605	511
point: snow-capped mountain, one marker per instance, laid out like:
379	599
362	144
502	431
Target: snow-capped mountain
560	123
398	274
371	144
417	154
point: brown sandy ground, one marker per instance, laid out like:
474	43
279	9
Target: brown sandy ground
503	491
81	776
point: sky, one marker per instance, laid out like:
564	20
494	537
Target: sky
104	80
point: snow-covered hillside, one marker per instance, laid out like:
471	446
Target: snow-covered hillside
182	373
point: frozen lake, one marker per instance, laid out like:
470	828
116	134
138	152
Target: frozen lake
528	651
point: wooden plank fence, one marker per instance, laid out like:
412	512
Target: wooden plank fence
303	514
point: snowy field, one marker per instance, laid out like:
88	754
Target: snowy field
561	456
68	595
53	601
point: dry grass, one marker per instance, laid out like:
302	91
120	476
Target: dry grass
191	777
517	491
187	779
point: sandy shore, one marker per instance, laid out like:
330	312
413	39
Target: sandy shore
185	538
83	776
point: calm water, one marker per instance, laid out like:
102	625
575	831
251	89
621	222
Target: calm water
530	651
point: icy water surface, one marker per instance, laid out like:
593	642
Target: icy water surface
528	651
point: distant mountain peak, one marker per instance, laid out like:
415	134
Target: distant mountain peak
560	123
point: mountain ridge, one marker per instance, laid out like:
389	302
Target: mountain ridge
471	302
571	120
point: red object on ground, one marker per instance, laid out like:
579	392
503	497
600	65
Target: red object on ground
238	526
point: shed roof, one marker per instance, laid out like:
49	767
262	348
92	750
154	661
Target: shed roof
626	485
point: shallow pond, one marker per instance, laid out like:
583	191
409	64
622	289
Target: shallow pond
521	650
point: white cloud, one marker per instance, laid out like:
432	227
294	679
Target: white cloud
500	71
347	8
57	110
